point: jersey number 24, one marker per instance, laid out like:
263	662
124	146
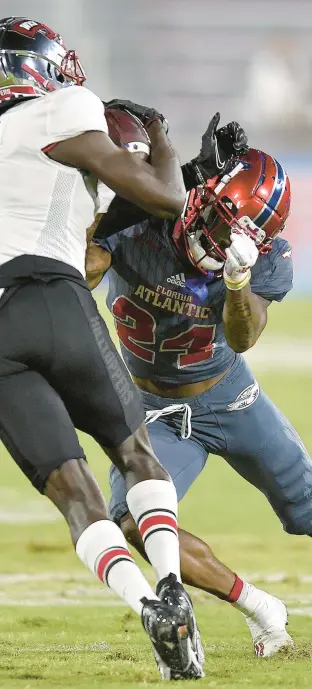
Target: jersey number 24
136	329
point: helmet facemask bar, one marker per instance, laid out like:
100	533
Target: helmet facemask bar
201	249
71	68
67	69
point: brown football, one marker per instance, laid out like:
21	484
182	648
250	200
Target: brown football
127	131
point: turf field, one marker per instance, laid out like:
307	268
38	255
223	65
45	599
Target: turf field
60	628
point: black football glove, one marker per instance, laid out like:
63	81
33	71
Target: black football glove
219	147
232	139
146	115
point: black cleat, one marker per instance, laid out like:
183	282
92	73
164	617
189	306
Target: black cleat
166	625
170	591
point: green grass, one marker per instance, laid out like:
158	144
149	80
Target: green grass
60	628
67	648
291	317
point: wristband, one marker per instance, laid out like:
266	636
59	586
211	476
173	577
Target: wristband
236	286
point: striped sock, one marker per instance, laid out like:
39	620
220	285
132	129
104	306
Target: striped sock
103	549
153	505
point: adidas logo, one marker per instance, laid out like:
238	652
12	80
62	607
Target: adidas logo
178	280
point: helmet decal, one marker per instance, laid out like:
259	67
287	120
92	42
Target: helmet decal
30	29
273	201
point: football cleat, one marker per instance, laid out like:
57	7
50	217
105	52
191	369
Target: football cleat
267	627
172	592
168	631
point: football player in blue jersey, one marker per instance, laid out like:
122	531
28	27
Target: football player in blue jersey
188	297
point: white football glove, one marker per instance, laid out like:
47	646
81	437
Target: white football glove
240	257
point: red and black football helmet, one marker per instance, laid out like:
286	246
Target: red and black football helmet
254	195
34	60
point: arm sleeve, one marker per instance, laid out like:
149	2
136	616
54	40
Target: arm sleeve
274	277
73	111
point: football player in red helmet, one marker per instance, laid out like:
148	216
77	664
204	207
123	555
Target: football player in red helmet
188	296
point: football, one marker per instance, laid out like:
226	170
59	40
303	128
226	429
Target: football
127	131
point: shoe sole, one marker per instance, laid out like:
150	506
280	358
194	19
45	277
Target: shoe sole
185	664
196	646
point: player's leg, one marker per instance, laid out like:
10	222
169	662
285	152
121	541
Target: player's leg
199	566
37	431
28	402
184	460
103	401
210	415
262	447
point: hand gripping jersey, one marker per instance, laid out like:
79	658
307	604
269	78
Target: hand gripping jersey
46	207
169	320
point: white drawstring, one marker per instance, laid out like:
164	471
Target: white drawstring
186	427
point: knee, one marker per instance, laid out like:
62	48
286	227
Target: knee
298	522
297	527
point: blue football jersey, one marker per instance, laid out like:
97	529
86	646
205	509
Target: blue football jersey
169	319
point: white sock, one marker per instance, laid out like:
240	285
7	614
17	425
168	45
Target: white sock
250	601
154	506
102	547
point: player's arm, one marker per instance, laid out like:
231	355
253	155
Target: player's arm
245	309
157	187
98	262
219	147
244	318
244	313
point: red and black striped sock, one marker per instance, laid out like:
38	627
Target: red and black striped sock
153	505
154	521
109	558
103	548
